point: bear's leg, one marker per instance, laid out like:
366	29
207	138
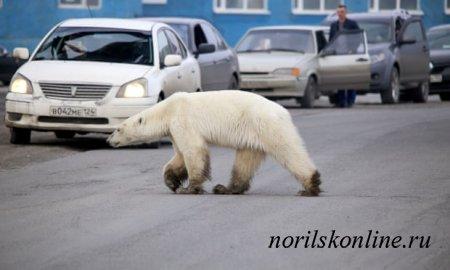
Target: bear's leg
175	172
246	163
198	168
295	158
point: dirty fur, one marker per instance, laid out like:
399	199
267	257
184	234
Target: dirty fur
249	123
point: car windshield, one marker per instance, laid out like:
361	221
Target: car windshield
277	40
439	39
97	44
377	32
182	30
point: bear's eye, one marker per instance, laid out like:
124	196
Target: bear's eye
119	130
140	121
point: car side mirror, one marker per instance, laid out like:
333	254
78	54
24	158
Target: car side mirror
206	48
408	40
3	52
327	52
172	60
21	53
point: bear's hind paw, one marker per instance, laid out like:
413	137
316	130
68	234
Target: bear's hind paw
221	189
190	190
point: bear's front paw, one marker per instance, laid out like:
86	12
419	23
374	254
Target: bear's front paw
172	184
190	190
310	192
221	189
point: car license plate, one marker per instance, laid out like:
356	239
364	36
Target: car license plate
73	111
435	78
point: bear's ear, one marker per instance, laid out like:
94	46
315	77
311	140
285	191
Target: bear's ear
140	121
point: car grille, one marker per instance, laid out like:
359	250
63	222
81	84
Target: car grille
74	91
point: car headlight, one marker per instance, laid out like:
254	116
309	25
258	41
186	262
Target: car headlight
287	71
377	58
133	89
20	85
431	66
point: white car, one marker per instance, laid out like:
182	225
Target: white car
88	75
297	62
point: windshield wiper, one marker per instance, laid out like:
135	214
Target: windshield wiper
250	50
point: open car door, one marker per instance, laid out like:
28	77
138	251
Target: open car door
345	63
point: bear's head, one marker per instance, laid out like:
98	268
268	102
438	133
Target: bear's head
131	132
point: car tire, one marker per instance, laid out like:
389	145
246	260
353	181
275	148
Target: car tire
20	136
6	83
234	84
444	96
420	93
309	96
64	134
392	94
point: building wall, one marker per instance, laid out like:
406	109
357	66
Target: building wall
233	26
23	23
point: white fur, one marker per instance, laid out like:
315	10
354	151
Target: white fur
234	119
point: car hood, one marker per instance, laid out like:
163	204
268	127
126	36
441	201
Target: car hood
268	62
377	48
82	72
439	57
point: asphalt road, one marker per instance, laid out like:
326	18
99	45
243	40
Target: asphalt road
77	204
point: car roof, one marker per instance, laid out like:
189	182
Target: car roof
129	24
179	20
440	27
290	27
378	16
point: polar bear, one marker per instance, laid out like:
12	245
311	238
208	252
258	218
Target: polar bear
247	122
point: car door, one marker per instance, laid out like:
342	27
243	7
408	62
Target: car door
344	63
206	61
414	55
222	58
170	75
186	70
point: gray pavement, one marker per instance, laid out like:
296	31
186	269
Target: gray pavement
77	204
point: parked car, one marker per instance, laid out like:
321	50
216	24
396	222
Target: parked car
439	40
297	62
88	75
218	62
399	54
8	65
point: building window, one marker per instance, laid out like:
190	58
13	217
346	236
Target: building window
447	6
382	5
1	3
154	2
241	6
315	6
80	3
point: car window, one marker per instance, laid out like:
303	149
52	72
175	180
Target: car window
321	40
175	45
97	44
439	39
414	31
221	45
163	46
199	36
377	32
278	40
347	43
182	30
211	36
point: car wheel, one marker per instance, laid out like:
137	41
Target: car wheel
392	94
64	134
420	94
309	96
234	85
444	96
6	83
20	136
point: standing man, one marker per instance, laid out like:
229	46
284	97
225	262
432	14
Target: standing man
345	98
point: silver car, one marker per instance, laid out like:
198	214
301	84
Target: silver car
297	62
218	62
